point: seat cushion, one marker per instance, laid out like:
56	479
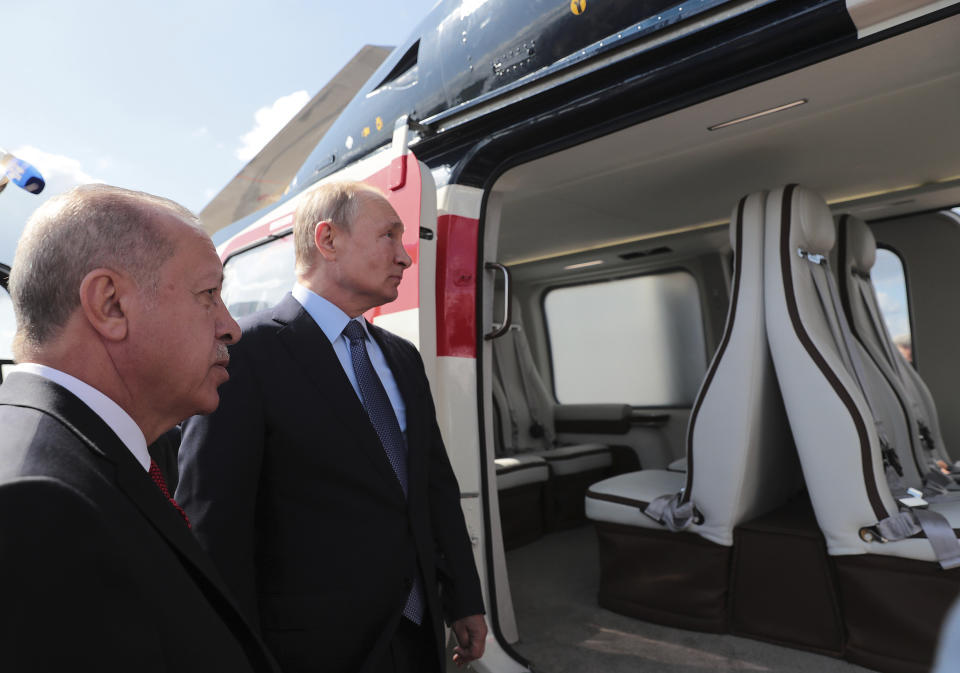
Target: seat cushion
622	499
679	465
520	470
576	458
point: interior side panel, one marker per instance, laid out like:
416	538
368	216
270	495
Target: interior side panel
929	245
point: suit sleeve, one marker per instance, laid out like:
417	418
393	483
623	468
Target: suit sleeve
220	459
460	589
64	607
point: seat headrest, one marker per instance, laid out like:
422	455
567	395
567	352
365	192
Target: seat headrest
742	204
861	245
814	222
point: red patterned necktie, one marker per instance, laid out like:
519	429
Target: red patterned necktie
161	483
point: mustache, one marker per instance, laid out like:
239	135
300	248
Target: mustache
223	354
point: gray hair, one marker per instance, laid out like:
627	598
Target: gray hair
88	227
336	202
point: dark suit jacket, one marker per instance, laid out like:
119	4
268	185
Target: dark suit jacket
291	492
98	571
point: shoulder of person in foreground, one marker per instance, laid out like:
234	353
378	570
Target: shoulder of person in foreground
56	587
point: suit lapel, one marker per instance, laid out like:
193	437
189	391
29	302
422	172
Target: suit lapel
28	390
308	345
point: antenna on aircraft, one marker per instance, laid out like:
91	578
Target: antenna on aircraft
20	173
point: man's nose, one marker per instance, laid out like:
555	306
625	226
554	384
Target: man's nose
404	258
228	331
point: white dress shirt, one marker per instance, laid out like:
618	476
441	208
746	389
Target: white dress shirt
116	418
331	320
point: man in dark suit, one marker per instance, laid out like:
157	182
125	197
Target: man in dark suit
120	334
321	486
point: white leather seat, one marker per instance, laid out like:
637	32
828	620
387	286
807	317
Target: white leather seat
620	500
856	254
576	458
740	457
740	464
833	414
522	484
521	470
526	411
892	592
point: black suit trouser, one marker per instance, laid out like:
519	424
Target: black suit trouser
412	649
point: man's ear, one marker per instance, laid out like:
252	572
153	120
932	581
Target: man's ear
325	238
102	299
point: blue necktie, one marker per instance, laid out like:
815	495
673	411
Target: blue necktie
384	421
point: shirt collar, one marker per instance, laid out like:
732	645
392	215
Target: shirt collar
329	317
112	413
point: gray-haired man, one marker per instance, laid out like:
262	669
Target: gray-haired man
120	334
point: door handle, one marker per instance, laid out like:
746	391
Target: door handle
502	329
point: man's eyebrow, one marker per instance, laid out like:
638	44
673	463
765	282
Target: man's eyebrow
216	279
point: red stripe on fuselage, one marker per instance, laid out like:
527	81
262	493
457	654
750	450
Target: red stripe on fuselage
457	286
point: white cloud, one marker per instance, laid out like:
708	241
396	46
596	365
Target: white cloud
887	303
55	168
269	120
200	132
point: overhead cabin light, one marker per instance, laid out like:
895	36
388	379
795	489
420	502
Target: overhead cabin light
755	115
582	265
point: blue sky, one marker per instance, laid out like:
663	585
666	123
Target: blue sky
167	97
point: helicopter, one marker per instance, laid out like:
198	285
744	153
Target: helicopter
561	165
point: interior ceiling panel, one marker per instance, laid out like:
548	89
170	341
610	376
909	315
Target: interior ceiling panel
881	119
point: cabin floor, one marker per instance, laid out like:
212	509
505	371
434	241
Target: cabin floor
562	629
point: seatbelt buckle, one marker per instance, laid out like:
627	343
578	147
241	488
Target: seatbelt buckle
811	256
913	499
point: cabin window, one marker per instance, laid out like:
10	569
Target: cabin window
259	277
890	283
634	340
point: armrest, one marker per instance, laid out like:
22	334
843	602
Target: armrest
648	419
603	419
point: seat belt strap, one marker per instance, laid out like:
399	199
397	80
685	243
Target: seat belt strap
511	412
939	533
668	511
537	429
822	281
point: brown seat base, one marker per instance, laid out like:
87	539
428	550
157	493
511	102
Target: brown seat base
675	579
522	514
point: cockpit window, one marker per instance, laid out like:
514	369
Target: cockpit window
259	277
